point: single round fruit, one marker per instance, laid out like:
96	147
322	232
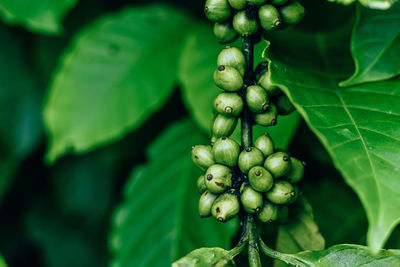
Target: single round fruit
250	157
228	104
257	99
268	118
283	104
225	32
296	171
217	10
238	4
228	78
292	13
279	2
223	126
269	213
252	200
226	151
202	156
225	207
232	57
218	178
256	2
205	203
265	143
281	193
260	179
201	184
244	25
269	17
278	164
265	82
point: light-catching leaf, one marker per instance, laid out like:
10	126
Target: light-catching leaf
2	262
43	16
374	4
375	45
201	257
158	221
117	72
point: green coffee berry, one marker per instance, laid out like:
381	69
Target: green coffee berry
268	118
256	2
283	104
269	17
228	78
281	193
252	200
217	10
278	2
228	104
226	151
268	213
218	178
202	156
257	99
265	82
225	207
260	179
249	158
296	171
292	13
278	164
225	32
205	203
232	57
244	25
238	4
265	143
223	126
201	184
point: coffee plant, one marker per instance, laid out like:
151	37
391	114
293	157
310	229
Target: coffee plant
260	132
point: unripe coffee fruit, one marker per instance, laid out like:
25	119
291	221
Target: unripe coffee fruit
228	104
292	13
265	144
228	78
268	213
265	82
269	17
249	158
225	207
225	32
232	57
226	151
201	184
296	171
278	164
260	179
244	25
218	178
252	200
257	99
223	126
238	4
205	203
281	193
202	156
267	118
283	104
217	10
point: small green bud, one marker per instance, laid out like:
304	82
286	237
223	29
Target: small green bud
257	99
296	171
217	10
201	184
225	32
265	82
292	13
278	164
202	156
278	2
268	118
226	151
269	213
225	207
281	193
269	17
228	104
244	25
238	4
228	78
265	143
205	203
249	158
218	178
256	2
283	214
252	200
260	179
223	126
232	57
283	104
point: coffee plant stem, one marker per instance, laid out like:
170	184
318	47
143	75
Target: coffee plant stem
253	247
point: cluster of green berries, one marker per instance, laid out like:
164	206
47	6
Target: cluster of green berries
244	17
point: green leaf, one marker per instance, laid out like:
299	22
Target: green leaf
375	45
117	72
359	126
37	16
158	222
374	4
201	257
2	262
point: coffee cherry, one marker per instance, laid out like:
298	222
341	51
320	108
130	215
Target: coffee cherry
225	207
265	82
232	57
269	17
268	118
256	2
257	99
252	200
226	151
261	68
228	78
292	13
296	171
238	4
283	214
278	2
218	178
265	144
278	164
228	104
225	32
201	184
223	126
260	179
281	193
202	156
205	203
244	25
283	104
268	213
217	10
249	158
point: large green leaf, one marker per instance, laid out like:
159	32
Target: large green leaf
158	222
116	73
38	16
359	126
201	257
2	262
374	4
375	45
